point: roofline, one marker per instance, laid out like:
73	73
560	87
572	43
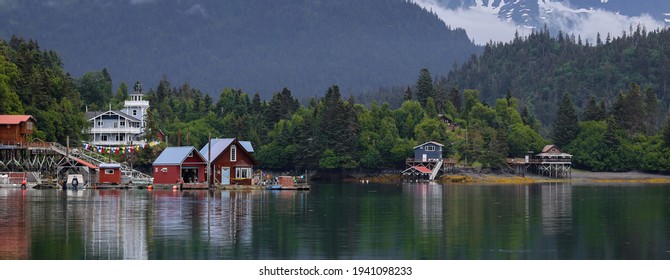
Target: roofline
118	113
254	161
441	145
29	118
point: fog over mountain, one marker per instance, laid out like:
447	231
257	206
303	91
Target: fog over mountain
497	20
258	46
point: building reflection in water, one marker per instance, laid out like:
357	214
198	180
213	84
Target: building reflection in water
115	226
14	225
556	208
427	201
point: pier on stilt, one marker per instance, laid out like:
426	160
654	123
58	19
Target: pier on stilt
551	163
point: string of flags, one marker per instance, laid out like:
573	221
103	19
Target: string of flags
116	150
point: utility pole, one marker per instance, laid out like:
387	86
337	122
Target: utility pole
209	160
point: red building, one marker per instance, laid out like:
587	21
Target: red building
110	173
231	163
176	163
16	129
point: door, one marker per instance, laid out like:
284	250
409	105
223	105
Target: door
225	175
425	157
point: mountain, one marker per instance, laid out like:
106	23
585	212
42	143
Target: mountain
534	13
258	46
583	17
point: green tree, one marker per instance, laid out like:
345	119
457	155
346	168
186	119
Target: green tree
633	114
666	131
565	125
95	88
424	86
455	98
121	95
652	111
591	110
408	94
496	150
522	139
9	100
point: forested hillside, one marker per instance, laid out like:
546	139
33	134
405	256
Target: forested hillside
333	132
32	81
259	46
540	69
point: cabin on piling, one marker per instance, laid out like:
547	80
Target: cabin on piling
551	162
427	162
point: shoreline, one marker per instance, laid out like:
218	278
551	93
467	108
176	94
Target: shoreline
578	176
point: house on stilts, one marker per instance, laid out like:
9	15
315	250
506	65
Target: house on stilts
551	162
427	162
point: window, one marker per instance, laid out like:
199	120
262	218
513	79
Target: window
190	154
109	171
430	148
100	123
134	112
233	153
103	138
164	169
243	173
123	123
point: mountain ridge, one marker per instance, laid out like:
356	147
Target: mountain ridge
257	46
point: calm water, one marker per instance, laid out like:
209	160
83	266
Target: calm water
410	221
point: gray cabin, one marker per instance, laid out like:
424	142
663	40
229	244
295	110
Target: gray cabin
429	151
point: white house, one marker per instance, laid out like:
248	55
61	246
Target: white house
120	128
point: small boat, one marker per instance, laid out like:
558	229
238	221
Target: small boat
274	187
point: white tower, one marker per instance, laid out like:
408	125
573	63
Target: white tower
136	106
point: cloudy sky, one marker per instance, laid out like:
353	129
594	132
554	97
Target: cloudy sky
482	23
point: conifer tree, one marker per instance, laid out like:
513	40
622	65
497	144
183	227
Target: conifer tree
408	94
666	131
441	97
424	86
566	126
651	110
590	110
633	116
455	98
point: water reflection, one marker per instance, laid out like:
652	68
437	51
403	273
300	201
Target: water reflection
359	221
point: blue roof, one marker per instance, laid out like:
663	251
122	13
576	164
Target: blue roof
218	146
174	155
247	146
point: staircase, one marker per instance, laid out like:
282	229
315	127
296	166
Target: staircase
97	159
436	169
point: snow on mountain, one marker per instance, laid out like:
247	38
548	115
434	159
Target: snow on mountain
580	17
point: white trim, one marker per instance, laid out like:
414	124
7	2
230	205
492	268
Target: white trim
239	172
233	153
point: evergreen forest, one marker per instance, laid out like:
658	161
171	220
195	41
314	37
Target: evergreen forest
333	133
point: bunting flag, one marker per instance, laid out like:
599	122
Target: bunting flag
117	150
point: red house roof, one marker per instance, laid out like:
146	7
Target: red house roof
423	169
15	119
